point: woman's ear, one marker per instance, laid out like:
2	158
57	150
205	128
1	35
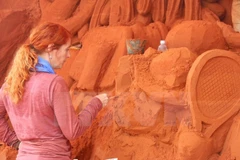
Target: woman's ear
50	47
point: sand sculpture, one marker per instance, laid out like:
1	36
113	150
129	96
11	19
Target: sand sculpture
180	104
235	15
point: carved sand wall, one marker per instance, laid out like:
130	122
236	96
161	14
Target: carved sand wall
151	113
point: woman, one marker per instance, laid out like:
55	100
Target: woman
37	100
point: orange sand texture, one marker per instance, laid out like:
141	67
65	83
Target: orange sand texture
181	104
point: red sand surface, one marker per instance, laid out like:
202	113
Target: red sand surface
151	116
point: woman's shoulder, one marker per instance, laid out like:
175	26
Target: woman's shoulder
46	78
45	81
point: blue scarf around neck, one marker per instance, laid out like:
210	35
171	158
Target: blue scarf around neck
44	66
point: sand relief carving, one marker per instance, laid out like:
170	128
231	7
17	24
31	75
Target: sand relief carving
176	11
150	102
76	15
132	123
236	15
124	15
212	104
139	111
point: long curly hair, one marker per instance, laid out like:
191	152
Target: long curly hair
25	59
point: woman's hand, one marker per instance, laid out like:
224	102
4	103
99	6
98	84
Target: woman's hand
103	98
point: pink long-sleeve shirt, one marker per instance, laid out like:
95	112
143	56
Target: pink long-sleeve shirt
44	120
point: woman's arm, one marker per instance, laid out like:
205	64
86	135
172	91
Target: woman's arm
7	135
72	125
